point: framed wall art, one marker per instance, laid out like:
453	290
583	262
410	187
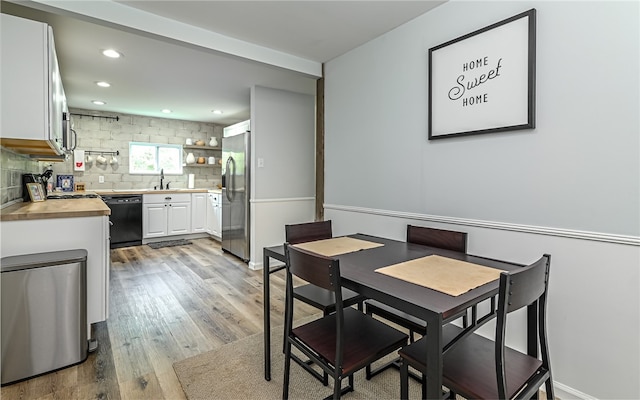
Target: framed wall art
36	192
65	182
484	81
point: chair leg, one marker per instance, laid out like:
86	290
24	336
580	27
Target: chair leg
287	368
404	380
548	386
337	387
424	386
338	390
367	372
284	337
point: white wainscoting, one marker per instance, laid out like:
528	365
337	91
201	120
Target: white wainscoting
594	301
268	218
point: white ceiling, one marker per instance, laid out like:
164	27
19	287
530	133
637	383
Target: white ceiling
196	56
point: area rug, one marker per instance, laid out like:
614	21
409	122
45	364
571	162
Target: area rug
168	243
236	372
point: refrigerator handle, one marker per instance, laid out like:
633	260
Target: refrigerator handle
230	178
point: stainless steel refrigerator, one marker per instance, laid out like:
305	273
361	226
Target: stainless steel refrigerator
236	183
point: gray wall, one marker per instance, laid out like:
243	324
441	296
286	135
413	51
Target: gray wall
578	169
111	135
569	187
283	123
283	189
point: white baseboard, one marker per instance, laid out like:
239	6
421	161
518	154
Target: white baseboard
175	237
565	392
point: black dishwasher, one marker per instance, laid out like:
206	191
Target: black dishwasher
126	219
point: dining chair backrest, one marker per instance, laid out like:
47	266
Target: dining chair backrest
519	288
314	268
307	232
440	238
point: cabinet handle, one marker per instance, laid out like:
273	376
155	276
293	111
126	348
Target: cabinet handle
167	198
75	137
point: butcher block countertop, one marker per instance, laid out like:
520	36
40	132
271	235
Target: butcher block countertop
59	208
113	192
72	208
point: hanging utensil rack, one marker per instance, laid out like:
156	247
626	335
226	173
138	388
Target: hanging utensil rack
117	118
115	153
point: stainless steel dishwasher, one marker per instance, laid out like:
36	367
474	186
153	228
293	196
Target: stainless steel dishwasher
44	313
126	219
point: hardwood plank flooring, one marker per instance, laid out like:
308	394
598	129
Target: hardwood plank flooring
165	305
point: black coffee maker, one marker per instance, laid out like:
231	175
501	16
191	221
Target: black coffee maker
42	179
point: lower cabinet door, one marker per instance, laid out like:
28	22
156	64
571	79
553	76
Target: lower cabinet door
154	220
199	203
179	218
217	221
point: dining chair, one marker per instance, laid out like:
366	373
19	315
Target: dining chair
440	238
315	296
480	368
340	343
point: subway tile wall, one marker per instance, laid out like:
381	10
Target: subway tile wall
100	134
12	166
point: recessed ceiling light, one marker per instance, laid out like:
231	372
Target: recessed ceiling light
103	84
98	102
218	112
112	53
166	111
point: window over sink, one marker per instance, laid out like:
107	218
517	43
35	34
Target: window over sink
150	158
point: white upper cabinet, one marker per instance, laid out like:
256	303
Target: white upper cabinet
33	99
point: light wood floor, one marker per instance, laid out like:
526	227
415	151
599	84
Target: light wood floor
165	305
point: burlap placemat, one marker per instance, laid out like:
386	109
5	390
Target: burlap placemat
338	245
446	275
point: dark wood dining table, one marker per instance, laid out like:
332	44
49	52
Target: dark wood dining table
434	307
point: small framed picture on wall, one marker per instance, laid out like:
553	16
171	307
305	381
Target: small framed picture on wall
65	182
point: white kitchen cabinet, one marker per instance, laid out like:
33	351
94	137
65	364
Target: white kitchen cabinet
57	234
214	215
179	218
166	215
199	212
33	99
154	220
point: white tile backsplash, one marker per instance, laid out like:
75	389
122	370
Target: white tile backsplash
99	134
